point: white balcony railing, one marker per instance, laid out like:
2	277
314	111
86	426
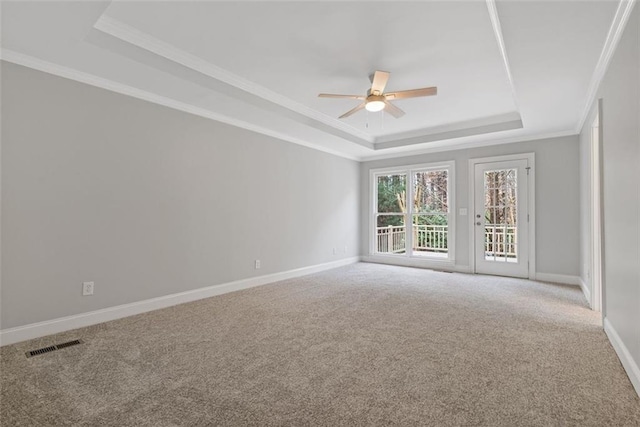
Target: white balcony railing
390	239
500	240
426	238
430	238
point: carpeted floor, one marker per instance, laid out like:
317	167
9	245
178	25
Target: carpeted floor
361	345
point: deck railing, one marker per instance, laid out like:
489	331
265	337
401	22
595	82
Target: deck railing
500	240
426	238
390	239
430	238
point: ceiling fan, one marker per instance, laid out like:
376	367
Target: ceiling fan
377	100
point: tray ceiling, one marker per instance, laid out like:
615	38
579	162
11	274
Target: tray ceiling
505	71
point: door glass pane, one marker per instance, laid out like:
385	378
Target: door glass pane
430	235
390	234
500	237
392	193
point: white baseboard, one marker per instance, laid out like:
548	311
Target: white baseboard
585	291
40	329
432	264
630	365
558	278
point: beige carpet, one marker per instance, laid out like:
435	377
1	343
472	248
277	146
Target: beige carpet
361	345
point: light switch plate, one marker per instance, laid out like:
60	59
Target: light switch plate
463	211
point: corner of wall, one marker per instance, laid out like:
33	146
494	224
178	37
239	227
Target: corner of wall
585	291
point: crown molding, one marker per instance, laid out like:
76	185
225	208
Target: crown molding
469	128
110	85
463	145
618	25
461	133
154	45
497	31
448	127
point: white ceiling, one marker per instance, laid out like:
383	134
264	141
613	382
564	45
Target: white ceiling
505	72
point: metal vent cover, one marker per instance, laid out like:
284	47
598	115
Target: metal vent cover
51	348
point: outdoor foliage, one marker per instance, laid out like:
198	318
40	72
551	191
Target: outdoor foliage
390	188
500	197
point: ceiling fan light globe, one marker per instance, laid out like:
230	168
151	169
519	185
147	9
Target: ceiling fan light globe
374	106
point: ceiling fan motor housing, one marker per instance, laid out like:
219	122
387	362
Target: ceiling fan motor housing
372	98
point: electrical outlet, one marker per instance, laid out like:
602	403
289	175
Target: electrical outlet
345	249
334	251
257	264
87	288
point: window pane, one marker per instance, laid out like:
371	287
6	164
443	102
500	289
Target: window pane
390	234
430	191
430	235
392	190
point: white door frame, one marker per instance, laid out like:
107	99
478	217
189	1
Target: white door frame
531	199
595	210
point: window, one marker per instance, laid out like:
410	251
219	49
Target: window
412	212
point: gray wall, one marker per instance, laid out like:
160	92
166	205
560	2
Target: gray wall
147	201
557	198
620	94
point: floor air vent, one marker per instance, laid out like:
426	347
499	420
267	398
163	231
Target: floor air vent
52	348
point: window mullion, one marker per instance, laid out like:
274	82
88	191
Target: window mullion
409	215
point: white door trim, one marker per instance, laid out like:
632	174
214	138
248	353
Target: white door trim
595	210
531	198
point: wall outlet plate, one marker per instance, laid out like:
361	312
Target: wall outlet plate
87	288
257	264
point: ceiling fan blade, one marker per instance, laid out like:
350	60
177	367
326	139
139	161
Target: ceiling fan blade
413	93
393	110
332	95
379	82
353	110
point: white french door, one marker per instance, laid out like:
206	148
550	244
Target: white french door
500	219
